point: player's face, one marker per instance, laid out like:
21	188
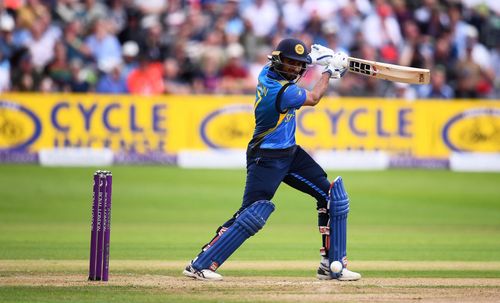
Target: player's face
292	68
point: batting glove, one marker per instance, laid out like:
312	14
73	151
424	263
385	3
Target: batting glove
337	66
320	55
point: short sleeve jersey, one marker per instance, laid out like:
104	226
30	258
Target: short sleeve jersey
275	118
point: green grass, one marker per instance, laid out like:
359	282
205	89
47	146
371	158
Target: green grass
117	294
166	213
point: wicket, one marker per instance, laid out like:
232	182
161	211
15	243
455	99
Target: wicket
101	226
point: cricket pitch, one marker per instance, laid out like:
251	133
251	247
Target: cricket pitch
165	277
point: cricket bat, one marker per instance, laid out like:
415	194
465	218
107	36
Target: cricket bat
391	72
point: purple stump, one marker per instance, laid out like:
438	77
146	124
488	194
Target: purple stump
107	225
100	224
93	229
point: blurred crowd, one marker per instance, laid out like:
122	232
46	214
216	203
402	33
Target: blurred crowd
152	47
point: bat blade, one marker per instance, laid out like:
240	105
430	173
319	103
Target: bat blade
391	72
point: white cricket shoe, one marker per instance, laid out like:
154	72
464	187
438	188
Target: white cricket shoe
347	275
204	274
323	273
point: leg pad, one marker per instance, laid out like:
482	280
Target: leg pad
338	209
247	224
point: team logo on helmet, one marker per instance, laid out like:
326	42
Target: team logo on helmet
299	49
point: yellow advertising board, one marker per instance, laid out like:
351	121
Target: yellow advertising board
31	122
167	124
460	126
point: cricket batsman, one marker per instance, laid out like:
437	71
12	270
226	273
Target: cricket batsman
274	157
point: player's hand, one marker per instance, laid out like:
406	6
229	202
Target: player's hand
320	55
337	66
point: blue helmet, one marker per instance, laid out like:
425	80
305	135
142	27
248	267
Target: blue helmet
292	49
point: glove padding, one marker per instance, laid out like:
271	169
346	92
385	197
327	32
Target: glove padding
337	66
320	55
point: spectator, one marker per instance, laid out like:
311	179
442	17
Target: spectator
26	78
81	78
422	15
234	25
235	74
381	29
256	65
151	7
315	27
47	85
176	15
349	23
130	50
294	16
11	4
443	54
411	51
73	41
52	29
209	80
132	30
480	53
488	26
331	33
196	27
173	81
112	80
42	41
7	25
147	78
459	29
213	46
402	91
59	69
101	45
401	11
65	11
437	89
431	18
424	33
468	76
90	11
153	43
188	69
28	13
262	16
4	73
495	59
85	11
118	16
321	9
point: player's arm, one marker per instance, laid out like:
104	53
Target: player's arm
313	96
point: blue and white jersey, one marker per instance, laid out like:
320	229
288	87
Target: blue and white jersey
275	119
